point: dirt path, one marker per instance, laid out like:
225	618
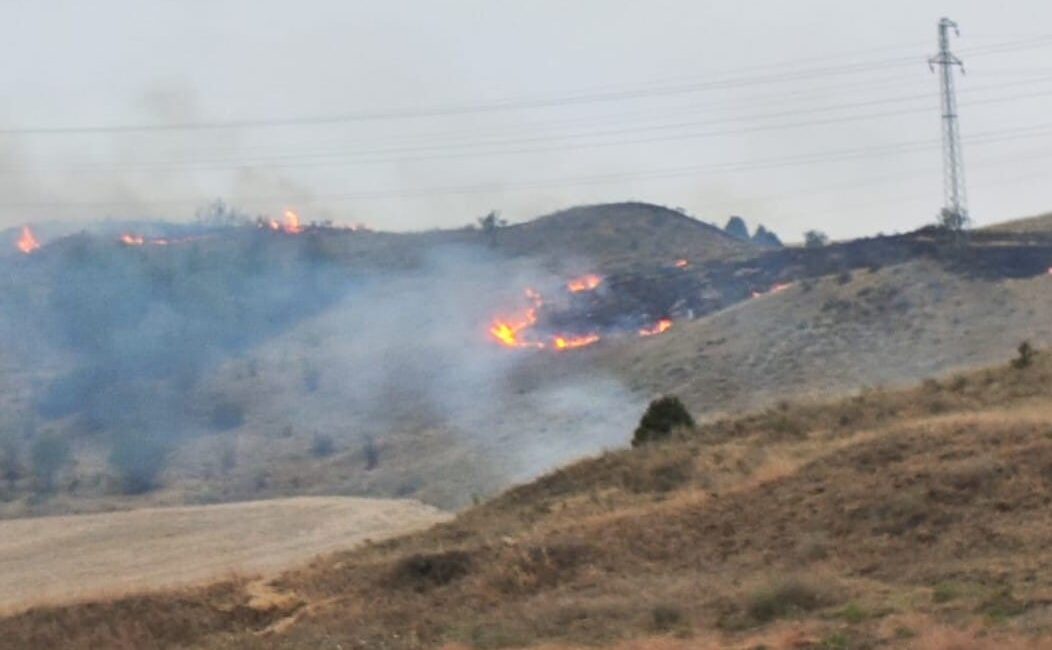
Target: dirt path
55	559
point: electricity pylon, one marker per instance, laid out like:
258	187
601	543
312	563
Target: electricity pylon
955	204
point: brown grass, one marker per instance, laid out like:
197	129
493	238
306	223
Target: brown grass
876	521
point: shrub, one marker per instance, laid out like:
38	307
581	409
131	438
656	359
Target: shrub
227	415
424	570
322	445
372	454
784	599
662	416
665	618
1026	355
138	459
10	466
48	454
815	239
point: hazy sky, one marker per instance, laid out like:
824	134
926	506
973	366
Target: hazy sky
809	114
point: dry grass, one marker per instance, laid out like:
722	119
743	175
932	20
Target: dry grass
914	518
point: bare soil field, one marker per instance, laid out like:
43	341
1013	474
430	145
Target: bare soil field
61	559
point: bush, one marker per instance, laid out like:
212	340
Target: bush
138	459
48	454
662	416
1026	355
227	415
784	599
322	445
372	454
815	239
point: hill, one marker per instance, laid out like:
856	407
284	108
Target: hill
614	236
907	518
250	362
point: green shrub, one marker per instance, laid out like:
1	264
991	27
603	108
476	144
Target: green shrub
785	599
662	416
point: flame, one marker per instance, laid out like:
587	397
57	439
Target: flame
27	243
682	264
584	283
292	223
564	343
513	331
775	288
659	327
132	240
506	330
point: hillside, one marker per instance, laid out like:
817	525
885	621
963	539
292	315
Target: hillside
912	518
253	363
1041	223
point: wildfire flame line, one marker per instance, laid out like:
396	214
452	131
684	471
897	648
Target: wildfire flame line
584	283
515	331
659	327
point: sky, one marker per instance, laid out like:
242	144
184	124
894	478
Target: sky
815	114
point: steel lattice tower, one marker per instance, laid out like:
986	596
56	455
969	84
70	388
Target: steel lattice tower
955	208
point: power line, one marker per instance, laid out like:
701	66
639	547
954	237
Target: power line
514	104
981	139
486	148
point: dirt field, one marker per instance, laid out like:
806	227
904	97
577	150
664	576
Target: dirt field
56	559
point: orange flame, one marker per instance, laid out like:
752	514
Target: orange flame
132	240
682	264
660	327
292	223
776	288
584	283
27	243
506	331
564	343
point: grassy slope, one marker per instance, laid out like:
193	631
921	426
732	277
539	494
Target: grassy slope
822	338
916	517
1041	223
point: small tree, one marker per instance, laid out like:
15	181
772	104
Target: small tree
10	467
372	453
954	221
735	227
815	239
490	224
138	459
48	455
662	416
1026	355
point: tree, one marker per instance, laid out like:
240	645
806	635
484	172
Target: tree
10	467
815	239
490	224
48	454
218	214
951	220
662	416
138	458
766	238
736	228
